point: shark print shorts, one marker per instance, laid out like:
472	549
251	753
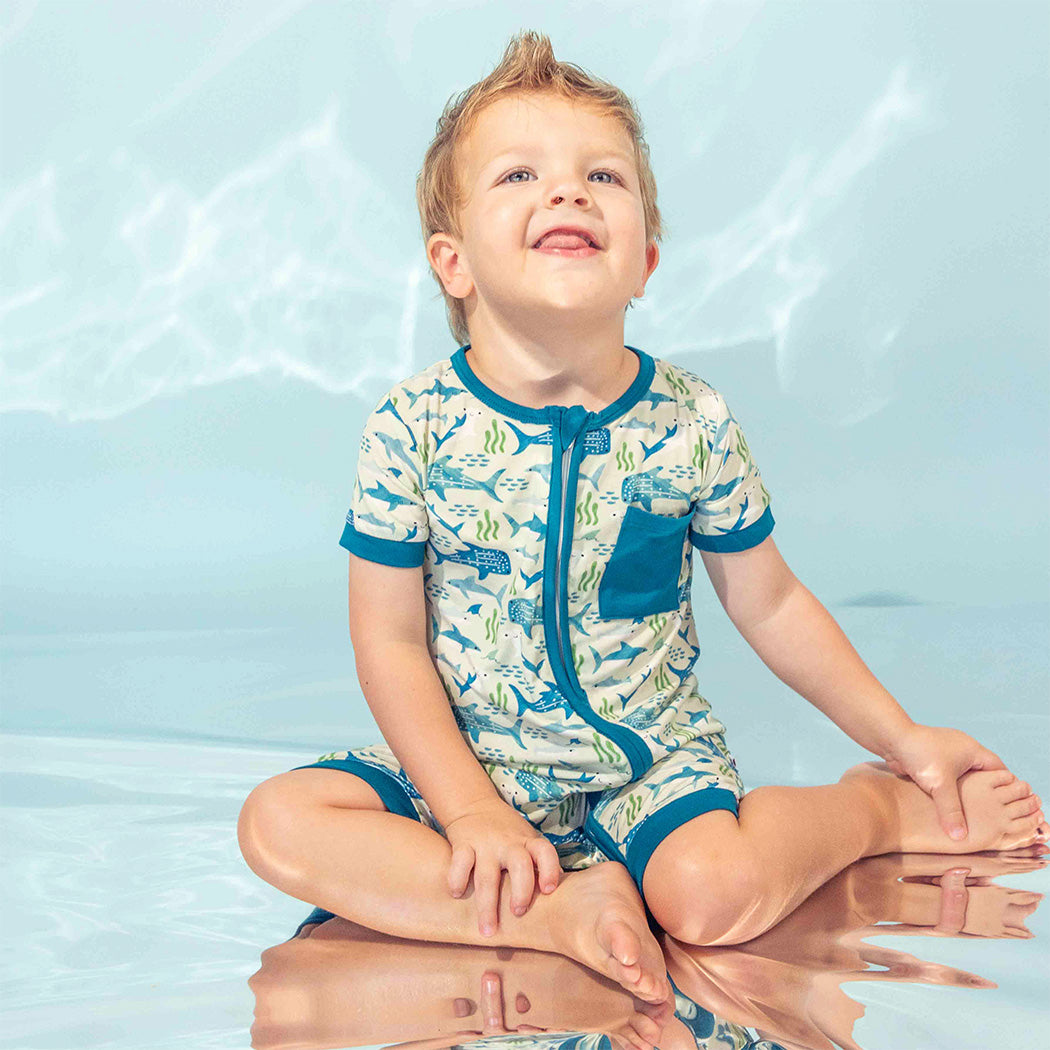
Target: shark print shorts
624	823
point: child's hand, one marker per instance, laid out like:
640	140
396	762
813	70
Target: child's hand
490	836
935	757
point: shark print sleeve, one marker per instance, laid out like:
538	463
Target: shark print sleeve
387	521
732	509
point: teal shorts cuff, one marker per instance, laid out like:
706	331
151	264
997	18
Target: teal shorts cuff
653	830
390	792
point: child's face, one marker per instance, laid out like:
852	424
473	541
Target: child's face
532	163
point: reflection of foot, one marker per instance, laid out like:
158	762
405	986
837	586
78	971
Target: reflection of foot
983	911
602	923
640	1031
925	892
301	990
1001	811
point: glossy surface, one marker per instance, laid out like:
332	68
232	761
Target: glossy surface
131	919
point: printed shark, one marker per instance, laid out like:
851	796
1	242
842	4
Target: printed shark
389	406
625	652
549	700
622	697
544	437
537	787
595	478
442	390
691	775
470	680
530	580
536	525
395	449
669	432
654	397
484	559
543	469
456	424
376	520
524	611
720	490
392	499
441	477
469	585
534	668
646	486
475	724
641	719
683	673
458	636
720	436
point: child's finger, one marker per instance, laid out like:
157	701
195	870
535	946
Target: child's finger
522	880
547	863
487	877
949	809
459	869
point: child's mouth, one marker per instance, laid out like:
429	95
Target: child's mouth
571	252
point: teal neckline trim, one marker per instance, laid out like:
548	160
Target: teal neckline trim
627	400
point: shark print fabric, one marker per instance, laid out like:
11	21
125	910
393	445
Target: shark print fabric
556	552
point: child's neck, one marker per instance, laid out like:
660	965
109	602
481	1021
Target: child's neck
518	376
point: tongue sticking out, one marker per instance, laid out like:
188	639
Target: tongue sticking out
563	240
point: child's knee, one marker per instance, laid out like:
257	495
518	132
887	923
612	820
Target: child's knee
715	913
268	810
707	894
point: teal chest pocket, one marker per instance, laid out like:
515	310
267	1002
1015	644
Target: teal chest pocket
641	577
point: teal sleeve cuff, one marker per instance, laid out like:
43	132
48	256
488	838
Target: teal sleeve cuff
406	553
740	540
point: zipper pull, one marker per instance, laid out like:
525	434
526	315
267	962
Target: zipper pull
573	419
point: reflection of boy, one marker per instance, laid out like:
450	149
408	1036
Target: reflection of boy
522	524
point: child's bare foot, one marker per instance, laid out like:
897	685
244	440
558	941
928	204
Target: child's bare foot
1001	812
601	922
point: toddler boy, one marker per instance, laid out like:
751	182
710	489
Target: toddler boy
521	535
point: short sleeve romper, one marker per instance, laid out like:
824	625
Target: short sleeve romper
556	548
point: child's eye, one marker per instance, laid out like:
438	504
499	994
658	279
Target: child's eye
525	171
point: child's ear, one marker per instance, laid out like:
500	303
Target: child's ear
652	258
449	263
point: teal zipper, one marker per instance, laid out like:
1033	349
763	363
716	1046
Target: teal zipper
637	753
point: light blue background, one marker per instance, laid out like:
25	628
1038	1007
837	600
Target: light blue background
212	268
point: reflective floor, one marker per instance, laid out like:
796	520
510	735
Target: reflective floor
131	920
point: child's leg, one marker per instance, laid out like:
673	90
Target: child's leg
324	837
723	879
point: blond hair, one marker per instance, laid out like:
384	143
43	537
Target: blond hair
528	65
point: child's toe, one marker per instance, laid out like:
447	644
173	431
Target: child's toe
1013	790
1022	807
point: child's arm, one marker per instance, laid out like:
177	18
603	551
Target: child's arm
800	642
403	691
388	630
